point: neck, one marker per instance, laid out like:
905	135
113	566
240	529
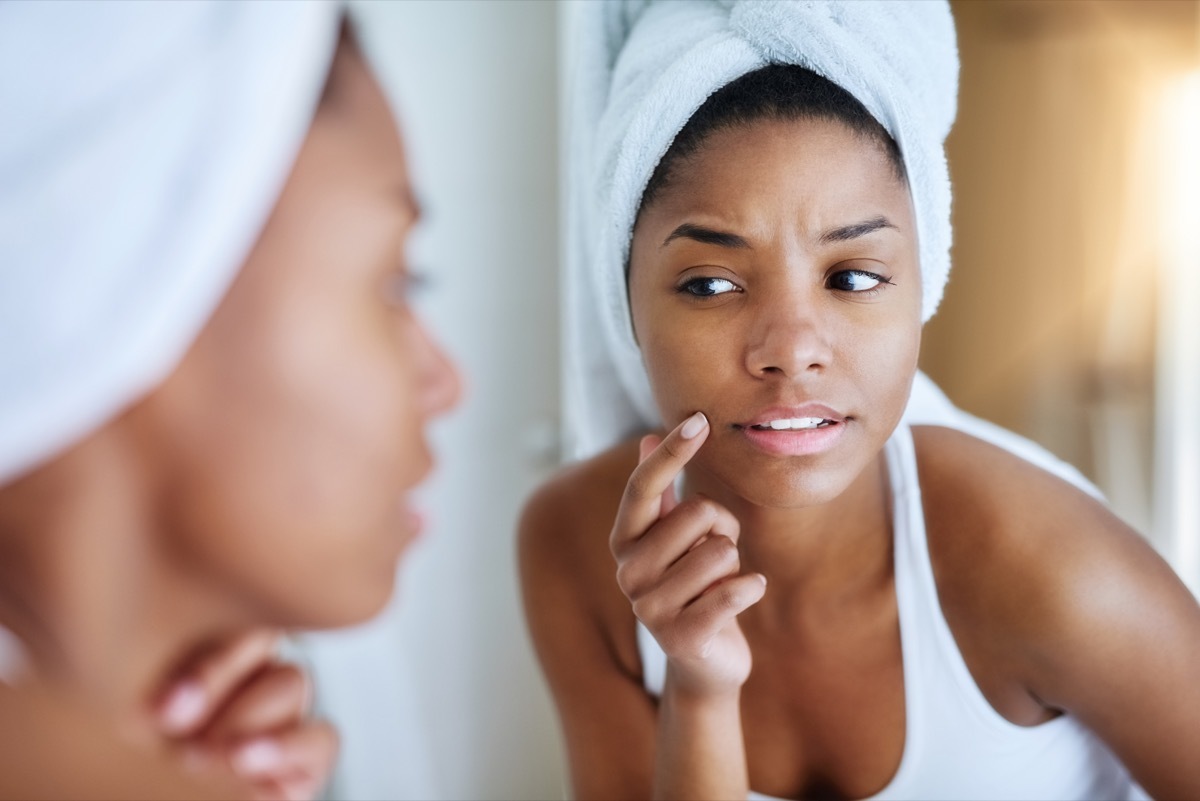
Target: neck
86	584
814	557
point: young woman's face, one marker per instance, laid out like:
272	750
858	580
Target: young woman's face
286	443
775	278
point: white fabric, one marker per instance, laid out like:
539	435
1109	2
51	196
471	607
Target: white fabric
642	68
956	745
142	149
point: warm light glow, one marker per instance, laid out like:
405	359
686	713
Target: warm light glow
1178	474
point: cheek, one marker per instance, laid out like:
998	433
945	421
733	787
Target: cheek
336	417
689	363
299	461
882	362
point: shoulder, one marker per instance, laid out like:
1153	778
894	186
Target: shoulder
1033	574
567	570
988	511
1006	501
568	517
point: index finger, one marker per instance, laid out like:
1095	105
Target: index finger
203	685
641	503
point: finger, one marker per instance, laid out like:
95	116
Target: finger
203	685
669	499
715	560
277	696
302	753
721	603
645	560
641	503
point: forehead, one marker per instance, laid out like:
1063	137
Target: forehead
818	166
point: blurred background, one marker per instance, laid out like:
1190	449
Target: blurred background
1072	317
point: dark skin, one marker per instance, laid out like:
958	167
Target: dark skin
1039	583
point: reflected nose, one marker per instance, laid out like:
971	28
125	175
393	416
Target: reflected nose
788	341
440	386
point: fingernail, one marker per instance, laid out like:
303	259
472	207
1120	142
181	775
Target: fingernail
258	757
184	708
694	425
762	578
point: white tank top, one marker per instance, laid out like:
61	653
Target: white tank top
956	745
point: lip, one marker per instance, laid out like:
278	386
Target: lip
793	442
412	522
788	412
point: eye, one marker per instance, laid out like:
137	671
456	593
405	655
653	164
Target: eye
707	287
856	281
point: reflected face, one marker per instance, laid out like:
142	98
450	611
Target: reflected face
774	285
289	438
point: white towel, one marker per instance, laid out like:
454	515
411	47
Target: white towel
142	147
641	68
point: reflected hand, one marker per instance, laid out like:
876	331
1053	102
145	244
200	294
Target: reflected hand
678	565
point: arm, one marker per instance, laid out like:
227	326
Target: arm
1045	587
1122	653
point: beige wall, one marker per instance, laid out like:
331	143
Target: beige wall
1048	323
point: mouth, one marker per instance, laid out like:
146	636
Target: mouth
794	424
804	431
410	523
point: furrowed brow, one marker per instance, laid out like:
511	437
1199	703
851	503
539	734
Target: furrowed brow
847	232
707	236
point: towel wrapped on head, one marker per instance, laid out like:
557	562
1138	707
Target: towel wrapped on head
143	147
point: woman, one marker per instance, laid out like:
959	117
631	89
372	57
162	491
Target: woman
814	597
215	388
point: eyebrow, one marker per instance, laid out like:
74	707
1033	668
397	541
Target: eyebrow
725	239
847	232
707	236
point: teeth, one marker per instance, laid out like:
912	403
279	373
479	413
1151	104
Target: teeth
793	424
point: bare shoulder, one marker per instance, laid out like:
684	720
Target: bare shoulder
988	509
567	571
1035	576
1007	502
567	519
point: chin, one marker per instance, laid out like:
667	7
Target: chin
348	606
798	491
785	483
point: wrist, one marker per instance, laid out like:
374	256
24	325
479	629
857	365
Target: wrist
681	686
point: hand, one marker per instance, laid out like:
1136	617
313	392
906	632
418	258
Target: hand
238	710
678	565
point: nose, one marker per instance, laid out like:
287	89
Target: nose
440	386
789	340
